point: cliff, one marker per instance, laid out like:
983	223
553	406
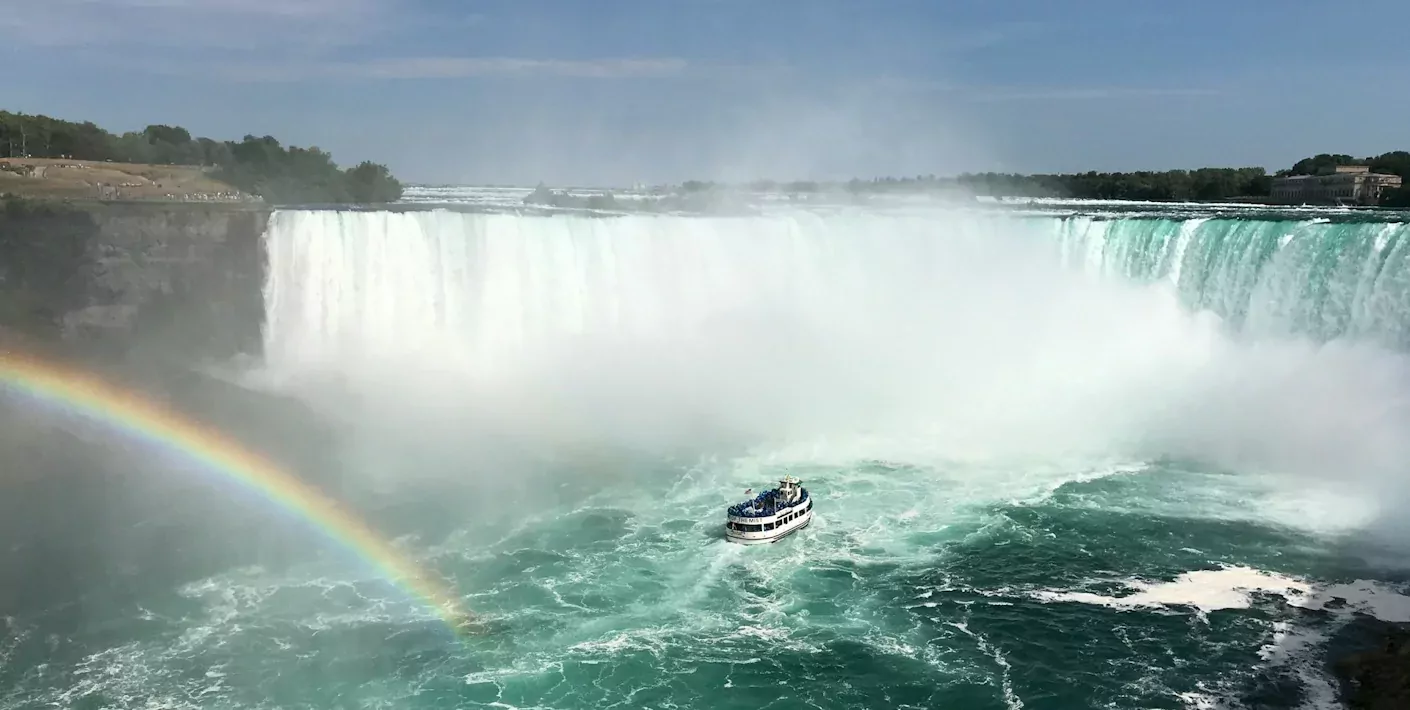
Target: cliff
182	281
1377	676
136	292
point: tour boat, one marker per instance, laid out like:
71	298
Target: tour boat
771	515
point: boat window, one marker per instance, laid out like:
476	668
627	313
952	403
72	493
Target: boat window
753	528
768	526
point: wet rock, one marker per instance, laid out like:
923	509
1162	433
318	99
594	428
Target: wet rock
1378	678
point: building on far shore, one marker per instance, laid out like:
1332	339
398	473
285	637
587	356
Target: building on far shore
1344	185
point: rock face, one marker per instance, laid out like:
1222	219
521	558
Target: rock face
183	281
136	293
1378	679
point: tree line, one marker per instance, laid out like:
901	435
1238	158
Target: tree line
1201	185
256	165
1170	185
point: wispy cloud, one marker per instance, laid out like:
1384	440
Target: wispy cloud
992	93
275	41
977	39
1083	93
454	68
223	24
292	8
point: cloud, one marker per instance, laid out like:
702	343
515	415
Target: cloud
210	24
997	93
276	41
456	68
977	39
286	8
1082	93
238	7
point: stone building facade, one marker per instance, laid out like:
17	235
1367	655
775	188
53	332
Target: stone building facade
1346	185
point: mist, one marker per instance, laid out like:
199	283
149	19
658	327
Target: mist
725	123
924	336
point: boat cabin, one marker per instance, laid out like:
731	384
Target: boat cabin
771	515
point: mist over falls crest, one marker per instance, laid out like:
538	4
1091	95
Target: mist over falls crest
1268	343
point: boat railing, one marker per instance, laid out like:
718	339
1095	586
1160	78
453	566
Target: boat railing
764	505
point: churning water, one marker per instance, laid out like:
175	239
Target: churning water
1060	459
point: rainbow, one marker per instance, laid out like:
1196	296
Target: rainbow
87	395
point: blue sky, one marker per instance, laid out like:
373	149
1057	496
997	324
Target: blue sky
619	91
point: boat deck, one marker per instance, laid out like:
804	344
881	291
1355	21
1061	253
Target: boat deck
771	515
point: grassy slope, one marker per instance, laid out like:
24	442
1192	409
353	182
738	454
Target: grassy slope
85	179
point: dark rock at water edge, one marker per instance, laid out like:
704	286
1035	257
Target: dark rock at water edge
1377	675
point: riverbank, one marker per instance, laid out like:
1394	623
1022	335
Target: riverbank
64	178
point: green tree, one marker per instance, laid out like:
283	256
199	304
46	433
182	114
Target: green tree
174	135
1393	163
371	182
257	165
1398	198
1320	163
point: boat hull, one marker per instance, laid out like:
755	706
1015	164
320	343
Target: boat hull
769	536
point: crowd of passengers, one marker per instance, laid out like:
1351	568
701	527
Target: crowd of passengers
762	506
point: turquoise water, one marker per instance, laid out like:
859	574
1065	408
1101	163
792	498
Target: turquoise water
1321	278
969	551
900	594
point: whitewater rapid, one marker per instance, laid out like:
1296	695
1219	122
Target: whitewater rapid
1060	459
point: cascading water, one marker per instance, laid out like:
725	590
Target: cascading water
1312	277
483	288
943	326
1054	457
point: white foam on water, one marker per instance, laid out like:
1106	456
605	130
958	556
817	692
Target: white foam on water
1300	650
1233	587
238	608
1005	679
1374	599
1291	646
1204	590
1198	701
